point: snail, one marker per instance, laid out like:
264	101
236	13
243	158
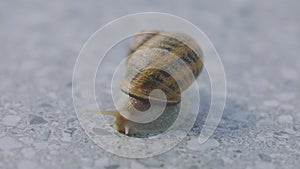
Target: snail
150	60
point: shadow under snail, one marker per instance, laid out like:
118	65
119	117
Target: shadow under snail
149	55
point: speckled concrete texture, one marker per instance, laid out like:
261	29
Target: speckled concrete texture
258	42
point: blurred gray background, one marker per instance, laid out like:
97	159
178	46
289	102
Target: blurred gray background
258	42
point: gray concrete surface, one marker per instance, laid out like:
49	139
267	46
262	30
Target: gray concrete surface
258	42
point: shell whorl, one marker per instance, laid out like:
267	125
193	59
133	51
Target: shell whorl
157	49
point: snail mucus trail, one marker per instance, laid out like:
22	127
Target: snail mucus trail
156	48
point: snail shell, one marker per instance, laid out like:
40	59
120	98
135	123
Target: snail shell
141	79
157	48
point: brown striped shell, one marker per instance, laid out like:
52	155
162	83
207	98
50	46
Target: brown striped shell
157	49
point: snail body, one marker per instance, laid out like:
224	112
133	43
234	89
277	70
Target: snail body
132	128
151	57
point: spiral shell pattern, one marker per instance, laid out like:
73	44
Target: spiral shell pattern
141	78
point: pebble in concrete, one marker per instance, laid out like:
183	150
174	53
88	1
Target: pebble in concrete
8	143
11	120
33	120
